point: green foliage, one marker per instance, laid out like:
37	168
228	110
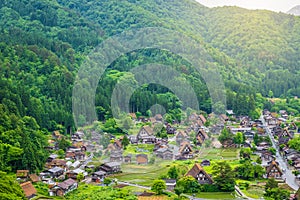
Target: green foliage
239	138
173	172
80	177
107	181
245	153
188	183
158	186
225	135
278	194
10	189
93	192
223	176
125	142
64	143
248	171
295	143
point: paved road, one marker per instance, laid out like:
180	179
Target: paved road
288	175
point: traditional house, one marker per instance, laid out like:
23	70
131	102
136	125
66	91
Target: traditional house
28	189
202	118
51	158
181	136
170	129
273	170
200	175
267	156
164	153
145	135
34	178
185	151
56	135
116	156
201	137
170	183
127	158
158	117
117	145
205	163
141	159
74	173
23	174
224	118
57	163
111	167
55	172
98	176
64	187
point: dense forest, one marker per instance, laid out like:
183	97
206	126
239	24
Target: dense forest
43	44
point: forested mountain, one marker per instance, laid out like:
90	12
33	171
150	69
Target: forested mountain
43	43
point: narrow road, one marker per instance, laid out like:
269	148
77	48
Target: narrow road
288	175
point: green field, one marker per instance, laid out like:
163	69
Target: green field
219	154
215	195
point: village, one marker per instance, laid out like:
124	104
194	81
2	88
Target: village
146	153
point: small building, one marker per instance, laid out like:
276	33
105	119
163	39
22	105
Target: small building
201	137
34	178
181	136
267	156
29	189
127	158
170	183
205	163
55	172
141	159
273	170
74	173
200	175
61	189
146	135
98	176
111	167
51	158
185	151
22	174
116	156
164	153
57	163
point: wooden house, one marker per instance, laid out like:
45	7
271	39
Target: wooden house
29	189
64	187
116	156
185	151
55	172
164	153
98	176
201	137
273	170
141	159
267	156
111	167
127	158
200	175
146	135
205	163
170	183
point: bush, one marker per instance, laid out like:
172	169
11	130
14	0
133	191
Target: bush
209	188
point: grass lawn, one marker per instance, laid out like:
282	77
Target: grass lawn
142	174
215	195
219	154
254	192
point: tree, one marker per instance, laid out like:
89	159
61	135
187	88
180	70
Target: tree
271	183
158	186
224	176
9	188
173	172
295	143
63	143
189	184
107	181
256	139
225	135
239	138
272	150
80	177
178	190
245	153
125	142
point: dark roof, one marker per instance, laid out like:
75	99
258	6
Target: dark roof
28	189
66	184
196	170
273	164
112	164
99	173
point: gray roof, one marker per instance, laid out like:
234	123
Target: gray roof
100	173
55	169
112	164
